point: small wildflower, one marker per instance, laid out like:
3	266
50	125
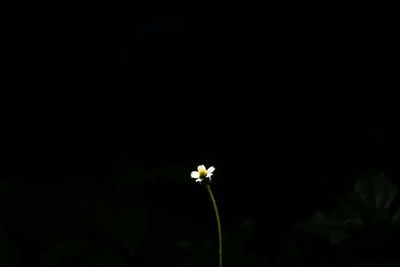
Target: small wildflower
202	173
203	176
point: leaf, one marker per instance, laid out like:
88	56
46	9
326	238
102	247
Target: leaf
396	215
356	222
375	189
336	236
322	219
382	188
328	227
392	194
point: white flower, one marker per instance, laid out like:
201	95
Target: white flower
202	173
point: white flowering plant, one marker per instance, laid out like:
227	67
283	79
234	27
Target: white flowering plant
203	176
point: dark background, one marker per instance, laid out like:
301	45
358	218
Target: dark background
107	110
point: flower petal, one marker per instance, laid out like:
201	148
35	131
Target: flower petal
201	167
195	174
211	169
198	180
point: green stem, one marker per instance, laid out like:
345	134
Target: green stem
218	223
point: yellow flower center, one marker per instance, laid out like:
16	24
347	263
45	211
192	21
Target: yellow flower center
202	173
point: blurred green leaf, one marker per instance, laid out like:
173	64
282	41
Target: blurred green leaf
365	210
392	194
375	189
396	216
331	228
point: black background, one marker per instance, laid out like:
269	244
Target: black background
107	110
